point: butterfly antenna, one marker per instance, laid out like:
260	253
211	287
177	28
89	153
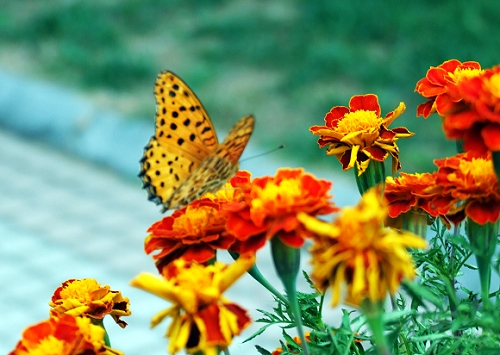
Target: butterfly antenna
266	153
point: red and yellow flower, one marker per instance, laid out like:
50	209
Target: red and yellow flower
440	86
471	181
416	193
478	122
63	335
358	134
196	231
357	251
269	208
87	298
202	318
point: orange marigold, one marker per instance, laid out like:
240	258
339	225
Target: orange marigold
440	86
269	208
87	298
478	122
196	231
357	134
63	335
416	192
471	181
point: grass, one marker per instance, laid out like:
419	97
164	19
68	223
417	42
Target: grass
287	62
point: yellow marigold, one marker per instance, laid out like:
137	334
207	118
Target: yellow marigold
202	318
63	335
357	251
357	134
87	298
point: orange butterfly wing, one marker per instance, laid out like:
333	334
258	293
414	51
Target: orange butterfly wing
183	161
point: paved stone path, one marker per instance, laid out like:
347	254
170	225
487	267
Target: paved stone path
63	218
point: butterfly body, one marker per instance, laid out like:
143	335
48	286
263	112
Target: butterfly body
184	160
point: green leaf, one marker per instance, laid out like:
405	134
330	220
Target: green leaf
258	332
420	293
262	351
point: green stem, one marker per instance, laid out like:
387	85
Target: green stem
373	312
319	321
415	222
257	275
373	175
483	240
287	263
460	146
451	259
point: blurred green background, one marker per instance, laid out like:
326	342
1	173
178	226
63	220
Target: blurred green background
287	62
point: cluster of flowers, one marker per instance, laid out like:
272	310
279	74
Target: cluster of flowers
356	255
240	218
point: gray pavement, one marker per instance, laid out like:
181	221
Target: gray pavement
63	216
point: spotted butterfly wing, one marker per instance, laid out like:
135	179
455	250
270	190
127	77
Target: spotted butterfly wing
184	160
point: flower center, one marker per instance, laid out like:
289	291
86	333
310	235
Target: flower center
196	220
480	169
202	280
284	194
494	85
360	120
80	289
194	279
465	73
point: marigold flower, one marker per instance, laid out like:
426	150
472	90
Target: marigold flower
440	86
356	250
87	298
196	231
416	192
202	318
472	182
63	335
270	205
478	122
358	134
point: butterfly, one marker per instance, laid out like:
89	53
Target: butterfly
184	160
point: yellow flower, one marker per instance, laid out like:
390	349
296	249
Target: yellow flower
88	298
202	318
357	251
